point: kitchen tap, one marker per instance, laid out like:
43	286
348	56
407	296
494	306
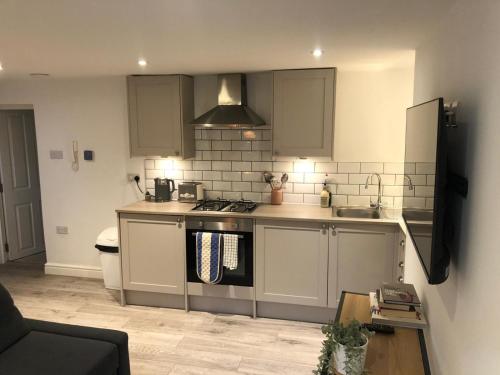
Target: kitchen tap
410	184
378	205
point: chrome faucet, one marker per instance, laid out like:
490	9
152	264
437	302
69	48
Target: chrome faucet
378	205
410	184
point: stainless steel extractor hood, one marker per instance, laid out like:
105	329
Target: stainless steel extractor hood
232	111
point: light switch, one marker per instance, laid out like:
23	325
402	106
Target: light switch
56	154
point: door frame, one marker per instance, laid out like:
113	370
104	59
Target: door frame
3	234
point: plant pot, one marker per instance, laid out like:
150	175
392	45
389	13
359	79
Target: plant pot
276	196
357	366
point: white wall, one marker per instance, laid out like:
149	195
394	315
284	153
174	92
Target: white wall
370	114
93	112
462	62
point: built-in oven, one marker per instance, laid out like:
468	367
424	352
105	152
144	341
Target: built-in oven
243	274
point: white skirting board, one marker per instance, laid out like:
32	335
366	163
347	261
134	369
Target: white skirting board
73	270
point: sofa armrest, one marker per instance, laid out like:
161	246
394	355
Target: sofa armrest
120	339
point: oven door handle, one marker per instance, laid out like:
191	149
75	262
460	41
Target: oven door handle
195	233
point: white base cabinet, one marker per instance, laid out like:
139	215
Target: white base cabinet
152	253
292	263
361	259
312	263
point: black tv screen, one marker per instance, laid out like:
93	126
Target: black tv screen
424	197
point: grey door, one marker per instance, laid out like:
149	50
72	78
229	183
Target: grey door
21	184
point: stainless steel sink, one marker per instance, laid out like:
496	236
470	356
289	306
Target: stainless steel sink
418	214
357	212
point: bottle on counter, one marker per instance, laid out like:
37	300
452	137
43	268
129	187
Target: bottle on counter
325	196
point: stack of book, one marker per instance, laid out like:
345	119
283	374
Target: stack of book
397	305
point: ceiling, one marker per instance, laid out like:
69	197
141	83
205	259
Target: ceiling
107	37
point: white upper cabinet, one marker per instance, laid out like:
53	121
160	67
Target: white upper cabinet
161	109
303	114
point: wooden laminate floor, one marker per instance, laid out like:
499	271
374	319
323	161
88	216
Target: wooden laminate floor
168	341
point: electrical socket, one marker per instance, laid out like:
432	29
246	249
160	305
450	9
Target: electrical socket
131	177
61	230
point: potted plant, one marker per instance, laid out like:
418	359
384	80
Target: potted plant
344	349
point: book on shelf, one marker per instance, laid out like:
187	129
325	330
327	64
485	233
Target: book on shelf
400	294
393	306
413	318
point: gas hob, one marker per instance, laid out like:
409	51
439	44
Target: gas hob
224	205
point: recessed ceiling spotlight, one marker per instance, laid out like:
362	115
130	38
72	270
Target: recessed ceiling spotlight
317	52
1	67
142	62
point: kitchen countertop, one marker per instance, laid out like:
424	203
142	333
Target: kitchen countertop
296	212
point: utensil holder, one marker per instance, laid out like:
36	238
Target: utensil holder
276	196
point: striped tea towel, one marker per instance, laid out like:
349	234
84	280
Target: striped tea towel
209	257
231	251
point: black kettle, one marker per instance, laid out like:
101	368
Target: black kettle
164	187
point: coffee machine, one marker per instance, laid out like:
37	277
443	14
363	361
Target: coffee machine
164	187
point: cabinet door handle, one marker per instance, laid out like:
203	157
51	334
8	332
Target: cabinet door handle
323	226
400	279
402	243
401	264
333	226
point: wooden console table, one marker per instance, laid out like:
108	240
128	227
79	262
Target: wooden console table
401	353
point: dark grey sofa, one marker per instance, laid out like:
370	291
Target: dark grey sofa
29	347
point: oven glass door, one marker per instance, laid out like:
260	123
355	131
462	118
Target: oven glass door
241	276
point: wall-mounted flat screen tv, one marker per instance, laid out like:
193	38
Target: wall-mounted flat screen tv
425	190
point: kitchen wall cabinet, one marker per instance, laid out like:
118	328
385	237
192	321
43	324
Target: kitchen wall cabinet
292	262
161	109
303	116
152	253
361	258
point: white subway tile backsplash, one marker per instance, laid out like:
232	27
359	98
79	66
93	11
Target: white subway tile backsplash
303	188
349	167
393	168
242	186
203	145
241	145
424	191
372	167
262	166
244	166
282	166
425	168
415	202
326	167
348	189
212	175
221	145
211	134
256	197
211	155
231	155
231	135
252	135
261	145
184	165
358	200
311	199
260	187
339	200
252	176
221	165
154	173
202	165
193	175
230	163
233	195
222	185
231	176
293	198
251	155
